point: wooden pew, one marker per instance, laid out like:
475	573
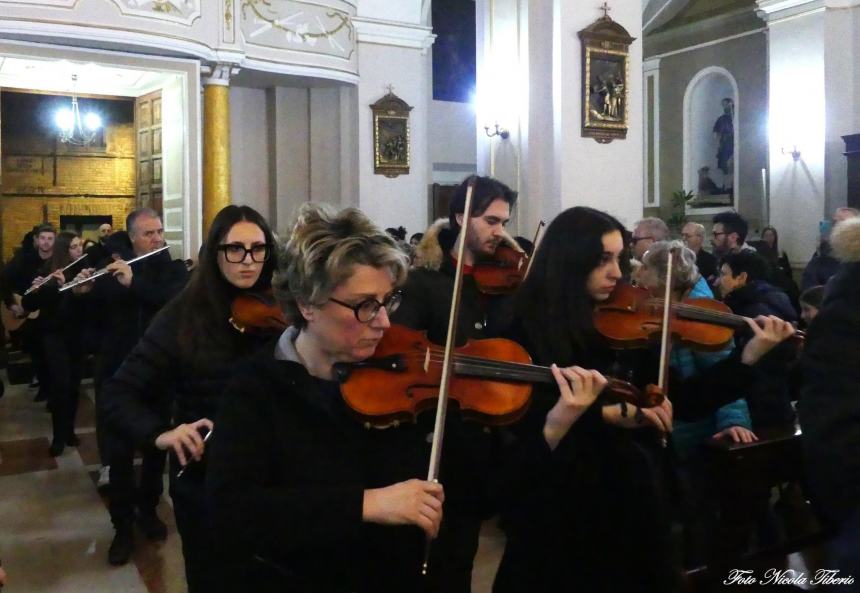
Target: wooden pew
742	476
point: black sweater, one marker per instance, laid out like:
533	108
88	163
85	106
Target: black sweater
287	469
157	369
829	408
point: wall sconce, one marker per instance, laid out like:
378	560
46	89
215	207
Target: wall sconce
503	132
795	154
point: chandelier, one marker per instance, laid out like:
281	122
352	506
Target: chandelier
74	128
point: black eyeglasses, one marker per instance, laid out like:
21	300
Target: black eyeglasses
635	240
715	234
367	310
235	253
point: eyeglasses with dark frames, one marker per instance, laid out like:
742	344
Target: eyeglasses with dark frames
367	310
635	240
235	253
716	234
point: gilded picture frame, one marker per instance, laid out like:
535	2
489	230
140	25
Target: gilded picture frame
391	140
605	81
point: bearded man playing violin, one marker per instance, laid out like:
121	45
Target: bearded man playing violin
426	306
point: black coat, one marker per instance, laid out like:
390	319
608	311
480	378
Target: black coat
820	268
768	396
587	516
124	313
829	407
706	262
19	273
158	367
288	466
427	295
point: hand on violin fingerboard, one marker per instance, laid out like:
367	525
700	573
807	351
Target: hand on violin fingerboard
578	388
769	331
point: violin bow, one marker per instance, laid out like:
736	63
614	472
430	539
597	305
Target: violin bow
447	362
541	224
666	335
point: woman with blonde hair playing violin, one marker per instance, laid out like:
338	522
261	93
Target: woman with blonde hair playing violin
298	493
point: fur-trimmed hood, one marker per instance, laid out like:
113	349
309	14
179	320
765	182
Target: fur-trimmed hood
845	240
429	253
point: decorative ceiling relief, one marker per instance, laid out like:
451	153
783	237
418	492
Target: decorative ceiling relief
178	11
290	24
229	34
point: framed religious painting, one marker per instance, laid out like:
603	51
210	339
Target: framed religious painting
605	80
391	136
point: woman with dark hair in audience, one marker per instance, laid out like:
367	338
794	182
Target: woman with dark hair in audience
578	492
781	274
59	330
188	353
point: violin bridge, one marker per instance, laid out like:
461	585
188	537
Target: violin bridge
427	361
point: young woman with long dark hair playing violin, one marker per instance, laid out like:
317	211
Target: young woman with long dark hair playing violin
578	489
298	487
188	354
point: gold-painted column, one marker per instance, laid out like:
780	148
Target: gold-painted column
216	141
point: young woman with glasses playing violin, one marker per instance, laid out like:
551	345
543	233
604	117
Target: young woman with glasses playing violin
297	486
188	354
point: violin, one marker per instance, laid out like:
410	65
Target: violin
257	313
503	273
632	317
492	380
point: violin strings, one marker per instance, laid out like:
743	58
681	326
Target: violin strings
514	369
701	312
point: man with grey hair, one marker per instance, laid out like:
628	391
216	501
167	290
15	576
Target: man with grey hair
693	235
126	302
646	232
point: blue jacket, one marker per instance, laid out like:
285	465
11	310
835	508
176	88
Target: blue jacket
687	436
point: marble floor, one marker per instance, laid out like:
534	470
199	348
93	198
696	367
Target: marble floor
54	526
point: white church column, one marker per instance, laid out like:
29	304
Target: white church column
814	81
393	46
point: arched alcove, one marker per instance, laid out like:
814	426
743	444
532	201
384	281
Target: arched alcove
711	140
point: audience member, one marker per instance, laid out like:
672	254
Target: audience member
693	235
645	233
829	407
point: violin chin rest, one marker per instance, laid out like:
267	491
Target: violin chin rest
342	371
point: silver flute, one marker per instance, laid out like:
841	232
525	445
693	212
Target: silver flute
104	270
46	279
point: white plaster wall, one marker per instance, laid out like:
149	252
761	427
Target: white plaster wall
842	76
402	11
401	200
604	176
249	149
797	107
452	141
349	147
173	151
502	97
324	114
289	137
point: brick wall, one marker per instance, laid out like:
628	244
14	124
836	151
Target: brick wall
38	183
